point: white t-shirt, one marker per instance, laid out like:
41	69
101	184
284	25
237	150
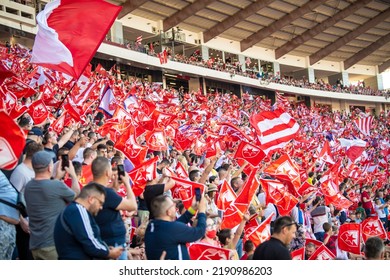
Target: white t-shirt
21	176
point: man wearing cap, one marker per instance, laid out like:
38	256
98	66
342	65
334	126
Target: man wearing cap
45	199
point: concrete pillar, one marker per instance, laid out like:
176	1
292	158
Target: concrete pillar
379	79
205	53
276	69
241	60
345	78
311	75
117	32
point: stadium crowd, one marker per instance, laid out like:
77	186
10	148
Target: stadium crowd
114	169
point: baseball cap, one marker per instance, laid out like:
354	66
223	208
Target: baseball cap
35	131
41	159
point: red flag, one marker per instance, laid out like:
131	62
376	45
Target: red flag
130	147
181	171
355	147
59	123
232	216
274	129
156	140
203	251
86	175
373	227
251	153
249	189
322	253
298	254
147	107
38	112
277	193
69	45
226	196
262	233
185	190
325	154
349	238
306	188
5	72
142	174
18	88
12	142
286	170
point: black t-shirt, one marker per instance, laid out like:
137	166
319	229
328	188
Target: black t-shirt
272	249
150	192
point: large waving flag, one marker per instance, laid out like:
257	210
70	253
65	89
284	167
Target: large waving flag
274	129
364	124
12	141
70	33
354	147
142	174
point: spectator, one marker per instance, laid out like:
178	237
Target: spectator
76	234
165	233
109	219
374	248
9	217
45	199
276	248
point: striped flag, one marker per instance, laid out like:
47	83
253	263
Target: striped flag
364	124
282	101
274	129
139	39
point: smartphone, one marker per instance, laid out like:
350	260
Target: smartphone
197	194
121	171
64	161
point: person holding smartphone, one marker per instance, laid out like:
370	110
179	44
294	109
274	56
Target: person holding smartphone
109	219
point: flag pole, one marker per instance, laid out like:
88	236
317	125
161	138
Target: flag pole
66	95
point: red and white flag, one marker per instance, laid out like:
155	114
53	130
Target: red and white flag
70	32
181	171
298	255
226	196
128	144
326	155
322	253
138	40
364	124
142	174
251	153
38	112
185	190
203	251
12	141
354	148
274	129
286	170
278	194
163	57
349	238
261	233
373	227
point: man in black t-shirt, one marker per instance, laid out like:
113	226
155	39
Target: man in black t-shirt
276	248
